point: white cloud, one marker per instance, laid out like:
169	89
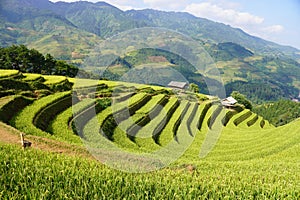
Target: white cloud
166	4
63	0
224	15
121	4
225	4
274	29
224	12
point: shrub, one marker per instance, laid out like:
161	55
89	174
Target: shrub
38	85
8	84
242	99
61	86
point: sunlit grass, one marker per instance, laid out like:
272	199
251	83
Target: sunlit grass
7	73
50	79
31	77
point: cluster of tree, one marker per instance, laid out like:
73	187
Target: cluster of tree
194	88
228	51
31	61
280	112
258	91
242	99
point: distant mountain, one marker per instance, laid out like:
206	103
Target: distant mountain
203	29
99	18
33	23
70	31
106	20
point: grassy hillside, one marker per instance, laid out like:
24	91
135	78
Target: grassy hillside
33	24
259	78
205	150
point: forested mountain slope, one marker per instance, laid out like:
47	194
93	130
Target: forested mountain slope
70	31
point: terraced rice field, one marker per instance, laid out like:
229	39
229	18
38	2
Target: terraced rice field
207	151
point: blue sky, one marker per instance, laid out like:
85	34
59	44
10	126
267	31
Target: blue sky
274	20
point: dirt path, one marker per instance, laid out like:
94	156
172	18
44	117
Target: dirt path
11	135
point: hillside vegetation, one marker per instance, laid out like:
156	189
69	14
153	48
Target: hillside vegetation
280	112
31	61
206	150
78	25
73	31
260	79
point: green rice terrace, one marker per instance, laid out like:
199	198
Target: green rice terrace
115	140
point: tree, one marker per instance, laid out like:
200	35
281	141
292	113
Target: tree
37	60
242	99
63	68
32	61
49	64
194	88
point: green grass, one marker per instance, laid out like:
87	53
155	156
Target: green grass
155	126
29	175
5	100
61	125
244	124
6	73
241	160
253	120
23	121
167	135
151	104
140	113
52	80
236	118
91	133
12	105
128	126
136	85
254	144
31	77
183	132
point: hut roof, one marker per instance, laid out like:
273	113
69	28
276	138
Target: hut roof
229	101
176	84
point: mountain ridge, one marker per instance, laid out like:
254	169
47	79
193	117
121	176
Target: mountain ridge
71	31
196	27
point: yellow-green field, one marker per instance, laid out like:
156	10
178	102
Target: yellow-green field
8	73
144	145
